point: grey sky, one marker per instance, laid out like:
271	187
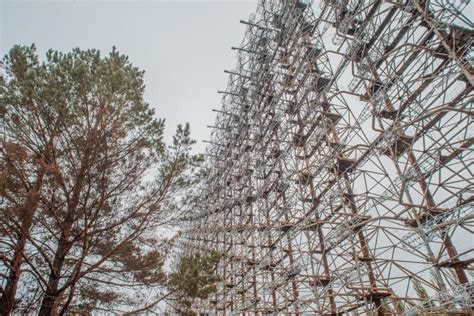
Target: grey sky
184	46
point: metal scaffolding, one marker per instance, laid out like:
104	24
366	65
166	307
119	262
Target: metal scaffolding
341	162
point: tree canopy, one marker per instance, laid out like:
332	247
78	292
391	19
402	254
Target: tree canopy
195	278
86	181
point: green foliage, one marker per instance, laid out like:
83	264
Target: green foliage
195	278
76	129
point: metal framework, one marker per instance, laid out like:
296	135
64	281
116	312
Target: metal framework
341	162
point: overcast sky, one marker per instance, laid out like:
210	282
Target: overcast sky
184	46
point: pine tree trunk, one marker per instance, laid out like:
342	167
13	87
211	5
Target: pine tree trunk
7	300
52	295
49	305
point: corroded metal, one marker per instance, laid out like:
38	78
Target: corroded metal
341	163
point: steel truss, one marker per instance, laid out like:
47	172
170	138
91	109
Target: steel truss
341	163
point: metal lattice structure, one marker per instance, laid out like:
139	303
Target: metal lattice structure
341	162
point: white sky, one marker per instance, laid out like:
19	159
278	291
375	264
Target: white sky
184	46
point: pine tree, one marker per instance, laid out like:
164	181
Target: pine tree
195	278
86	181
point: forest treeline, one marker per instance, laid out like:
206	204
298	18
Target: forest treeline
87	185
